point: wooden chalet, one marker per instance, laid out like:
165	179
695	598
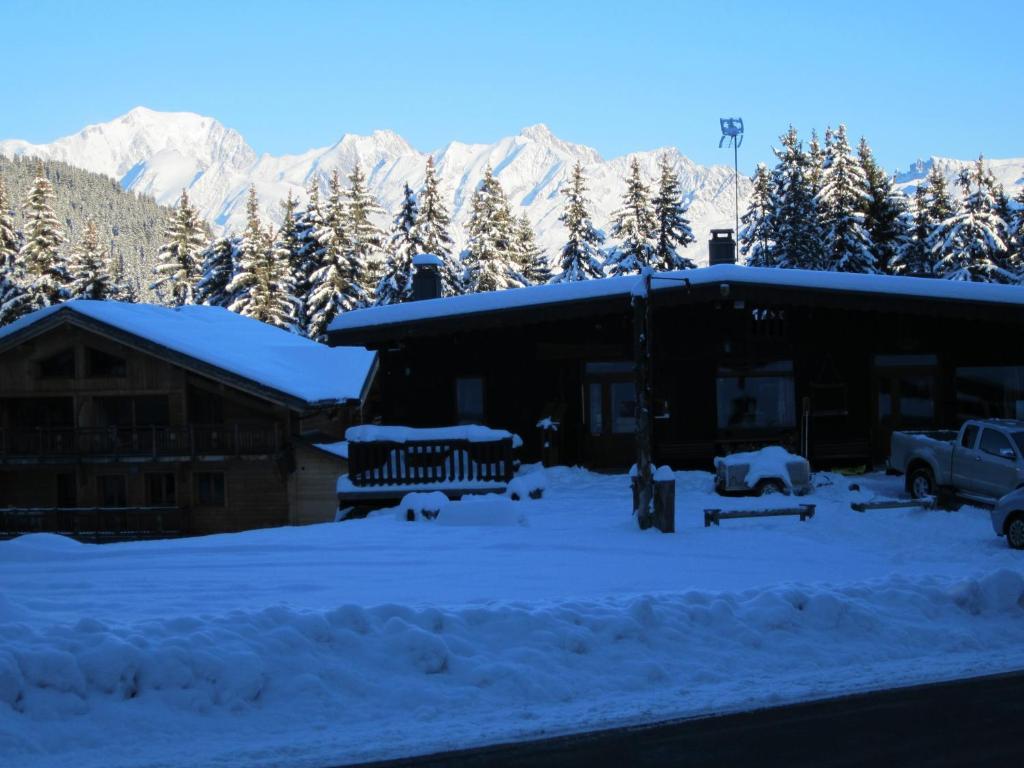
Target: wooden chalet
825	364
138	420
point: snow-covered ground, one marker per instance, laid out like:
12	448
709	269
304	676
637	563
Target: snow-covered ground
378	638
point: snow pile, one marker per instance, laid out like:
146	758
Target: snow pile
485	509
529	485
421	506
474	433
769	463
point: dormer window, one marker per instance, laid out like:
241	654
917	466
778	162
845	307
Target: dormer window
58	366
103	365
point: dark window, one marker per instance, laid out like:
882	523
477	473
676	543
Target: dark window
995	392
160	490
142	411
760	399
151	411
58	366
623	407
469	400
967	441
205	407
996	444
210	489
102	365
112	491
67	492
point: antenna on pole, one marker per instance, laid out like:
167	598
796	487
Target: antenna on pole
732	135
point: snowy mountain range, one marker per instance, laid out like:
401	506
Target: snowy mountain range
161	153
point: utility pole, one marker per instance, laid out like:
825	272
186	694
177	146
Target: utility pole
732	134
643	480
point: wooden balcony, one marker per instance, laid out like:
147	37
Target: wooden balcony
96	523
58	444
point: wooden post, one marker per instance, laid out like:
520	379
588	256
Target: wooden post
644	497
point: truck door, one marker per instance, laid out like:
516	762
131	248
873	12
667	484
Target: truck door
997	468
965	460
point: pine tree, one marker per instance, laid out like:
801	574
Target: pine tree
887	214
490	257
535	265
179	262
123	287
334	286
219	259
9	244
90	278
757	235
794	209
396	284
635	226
673	228
971	244
843	198
1016	258
816	162
262	285
308	222
42	266
365	240
432	223
12	297
289	244
581	257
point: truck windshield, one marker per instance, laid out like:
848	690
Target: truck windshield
1018	438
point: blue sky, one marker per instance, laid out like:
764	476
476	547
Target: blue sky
915	78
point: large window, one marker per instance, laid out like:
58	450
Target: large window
210	489
990	392
469	400
58	366
112	491
102	365
755	399
160	489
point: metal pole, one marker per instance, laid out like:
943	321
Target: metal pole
644	479
736	166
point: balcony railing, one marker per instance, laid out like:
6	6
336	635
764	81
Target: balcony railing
188	440
95	523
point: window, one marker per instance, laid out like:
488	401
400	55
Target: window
209	489
143	411
67	493
160	490
990	392
596	408
112	491
967	441
469	400
102	365
762	398
623	407
58	366
996	444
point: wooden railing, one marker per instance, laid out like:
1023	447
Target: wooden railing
373	464
186	440
95	523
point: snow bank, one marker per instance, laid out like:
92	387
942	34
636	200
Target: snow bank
474	433
485	509
248	679
529	485
771	462
262	353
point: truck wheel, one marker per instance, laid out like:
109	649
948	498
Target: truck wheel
769	487
1015	532
921	483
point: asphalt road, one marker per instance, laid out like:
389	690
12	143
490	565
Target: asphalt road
973	722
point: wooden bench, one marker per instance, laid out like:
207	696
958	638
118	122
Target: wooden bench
382	471
715	516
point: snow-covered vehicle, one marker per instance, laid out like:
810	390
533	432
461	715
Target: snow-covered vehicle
982	462
1008	518
769	470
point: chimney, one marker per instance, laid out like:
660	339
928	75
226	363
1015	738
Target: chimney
426	276
721	247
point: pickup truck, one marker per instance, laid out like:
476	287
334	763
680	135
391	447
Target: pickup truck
982	462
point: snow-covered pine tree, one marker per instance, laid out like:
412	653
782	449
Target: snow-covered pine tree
843	198
179	261
581	257
490	257
288	245
42	265
888	218
673	230
635	227
1017	236
219	259
971	244
915	258
365	240
535	265
90	278
432	223
262	285
123	286
757	234
816	162
12	298
309	221
794	209
396	284
334	286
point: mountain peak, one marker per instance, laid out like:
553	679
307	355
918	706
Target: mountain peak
538	132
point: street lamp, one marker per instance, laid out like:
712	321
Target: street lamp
732	135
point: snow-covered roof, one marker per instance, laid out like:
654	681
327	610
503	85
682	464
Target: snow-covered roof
521	298
426	260
260	353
